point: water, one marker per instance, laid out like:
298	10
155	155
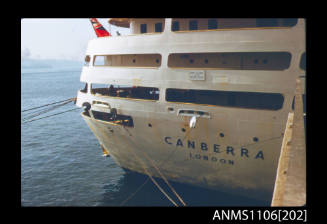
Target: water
62	163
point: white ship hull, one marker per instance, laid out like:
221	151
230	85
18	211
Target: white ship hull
199	156
232	148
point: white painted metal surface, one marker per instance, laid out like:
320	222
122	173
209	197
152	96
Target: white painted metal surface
220	152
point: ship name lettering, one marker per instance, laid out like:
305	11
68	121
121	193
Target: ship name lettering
216	148
166	140
212	159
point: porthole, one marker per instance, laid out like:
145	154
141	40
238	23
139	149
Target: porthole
87	60
170	109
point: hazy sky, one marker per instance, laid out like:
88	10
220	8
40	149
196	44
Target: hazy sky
59	38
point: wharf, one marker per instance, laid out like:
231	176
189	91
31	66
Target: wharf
290	185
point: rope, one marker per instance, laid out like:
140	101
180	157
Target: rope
147	173
39	112
172	201
265	140
186	135
33	114
133	194
49	115
162	176
269	139
167	182
70	99
23	73
162	191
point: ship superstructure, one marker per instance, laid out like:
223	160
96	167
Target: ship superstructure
204	100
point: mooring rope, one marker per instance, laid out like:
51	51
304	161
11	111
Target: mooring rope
149	175
164	178
153	180
34	114
134	193
39	112
70	99
26	73
49	116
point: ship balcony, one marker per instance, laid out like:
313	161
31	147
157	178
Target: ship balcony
131	76
95	93
263	76
219	40
146	26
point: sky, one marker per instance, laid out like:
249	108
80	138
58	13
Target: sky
64	39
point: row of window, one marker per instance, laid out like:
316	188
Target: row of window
229	60
250	100
223	23
193	25
157	28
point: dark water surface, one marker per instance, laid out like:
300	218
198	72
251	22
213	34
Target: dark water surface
62	163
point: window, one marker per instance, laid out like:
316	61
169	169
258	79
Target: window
175	26
99	60
143	28
180	24
303	62
193	25
289	22
132	92
231	60
212	24
129	60
276	22
267	22
119	119
158	27
98	88
250	100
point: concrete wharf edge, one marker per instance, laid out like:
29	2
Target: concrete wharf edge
290	185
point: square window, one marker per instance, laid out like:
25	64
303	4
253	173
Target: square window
175	26
289	22
212	24
143	28
158	27
267	22
99	60
193	25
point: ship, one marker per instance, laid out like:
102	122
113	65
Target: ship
199	101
